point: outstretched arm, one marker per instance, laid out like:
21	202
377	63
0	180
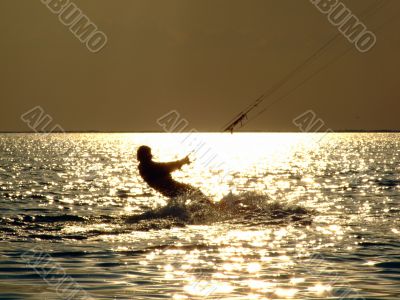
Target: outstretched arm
175	165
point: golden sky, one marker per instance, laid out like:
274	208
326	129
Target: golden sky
207	59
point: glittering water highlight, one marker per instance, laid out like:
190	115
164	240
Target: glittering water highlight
304	217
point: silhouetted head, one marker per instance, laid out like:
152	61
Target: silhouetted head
144	154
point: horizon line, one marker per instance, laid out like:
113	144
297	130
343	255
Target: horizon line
241	131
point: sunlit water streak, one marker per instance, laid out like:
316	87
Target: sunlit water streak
307	218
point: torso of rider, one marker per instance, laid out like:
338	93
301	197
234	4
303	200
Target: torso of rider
159	174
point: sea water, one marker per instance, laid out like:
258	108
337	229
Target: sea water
301	216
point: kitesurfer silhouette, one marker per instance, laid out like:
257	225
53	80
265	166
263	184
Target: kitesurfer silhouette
158	175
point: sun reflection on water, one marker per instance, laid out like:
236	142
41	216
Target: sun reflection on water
255	257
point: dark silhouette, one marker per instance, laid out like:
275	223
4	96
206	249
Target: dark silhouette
158	175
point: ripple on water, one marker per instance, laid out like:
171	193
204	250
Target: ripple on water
329	226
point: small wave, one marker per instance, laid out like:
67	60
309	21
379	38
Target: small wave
43	219
388	183
389	265
55	218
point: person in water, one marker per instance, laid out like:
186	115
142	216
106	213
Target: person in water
158	175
